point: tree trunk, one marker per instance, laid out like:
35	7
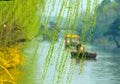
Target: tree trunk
115	40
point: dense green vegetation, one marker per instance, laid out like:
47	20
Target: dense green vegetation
107	31
18	19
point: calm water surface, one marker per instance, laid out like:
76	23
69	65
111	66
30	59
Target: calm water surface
104	70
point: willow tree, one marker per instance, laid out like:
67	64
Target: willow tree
114	31
19	22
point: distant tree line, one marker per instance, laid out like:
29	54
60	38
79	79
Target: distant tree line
47	31
108	22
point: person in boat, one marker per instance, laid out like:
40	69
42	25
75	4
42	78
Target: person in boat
81	51
80	48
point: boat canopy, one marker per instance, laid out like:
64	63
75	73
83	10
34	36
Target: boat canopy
72	36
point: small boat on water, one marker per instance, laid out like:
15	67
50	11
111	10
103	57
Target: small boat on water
87	55
80	52
72	41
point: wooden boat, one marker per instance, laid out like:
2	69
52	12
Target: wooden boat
72	40
87	55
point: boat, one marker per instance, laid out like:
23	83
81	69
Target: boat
80	52
72	41
87	55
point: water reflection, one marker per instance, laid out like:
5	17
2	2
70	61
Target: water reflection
104	70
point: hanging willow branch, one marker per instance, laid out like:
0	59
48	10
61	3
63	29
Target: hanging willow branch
7	72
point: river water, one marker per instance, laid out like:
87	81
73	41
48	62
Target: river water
104	70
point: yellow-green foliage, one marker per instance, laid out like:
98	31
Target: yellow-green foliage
73	11
10	58
18	20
